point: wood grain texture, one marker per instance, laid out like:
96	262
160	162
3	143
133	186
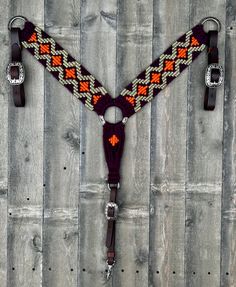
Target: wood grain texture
176	223
4	92
168	156
228	214
134	54
204	166
61	157
25	193
98	55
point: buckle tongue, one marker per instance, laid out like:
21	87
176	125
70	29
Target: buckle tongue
214	68
15	81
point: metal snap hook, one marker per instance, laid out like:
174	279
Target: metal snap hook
212	19
13	19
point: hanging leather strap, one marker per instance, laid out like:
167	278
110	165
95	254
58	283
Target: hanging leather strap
15	68
111	213
113	143
214	74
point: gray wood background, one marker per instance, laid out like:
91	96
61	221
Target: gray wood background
177	220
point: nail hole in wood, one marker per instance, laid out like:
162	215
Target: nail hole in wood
157	272
44	184
173	272
231	28
49	268
122	270
64	167
227	273
33	269
83	152
84	269
27	198
137	271
194	272
71	269
209	273
13	268
106	270
9	213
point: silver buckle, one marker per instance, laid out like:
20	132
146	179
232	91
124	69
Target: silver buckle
111	205
21	77
208	82
109	269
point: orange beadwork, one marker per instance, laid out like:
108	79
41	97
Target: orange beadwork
33	37
84	86
194	41
169	65
155	77
95	99
70	73
182	53
142	90
57	60
131	100
44	48
113	140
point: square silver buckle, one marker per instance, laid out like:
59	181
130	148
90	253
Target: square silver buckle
111	205
208	82
21	77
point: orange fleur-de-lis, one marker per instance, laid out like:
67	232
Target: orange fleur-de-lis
113	140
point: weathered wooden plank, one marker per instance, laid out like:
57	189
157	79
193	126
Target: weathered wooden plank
25	197
168	156
134	54
204	166
4	56
98	43
228	217
61	156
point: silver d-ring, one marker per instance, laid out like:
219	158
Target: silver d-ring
13	19
212	19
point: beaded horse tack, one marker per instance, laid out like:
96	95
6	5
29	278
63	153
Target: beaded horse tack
83	85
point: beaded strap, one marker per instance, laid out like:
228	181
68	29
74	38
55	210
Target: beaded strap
71	74
163	70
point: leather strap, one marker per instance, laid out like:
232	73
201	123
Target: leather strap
110	239
18	90
210	93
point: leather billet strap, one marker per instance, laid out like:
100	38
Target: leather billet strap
71	74
213	58
14	70
111	217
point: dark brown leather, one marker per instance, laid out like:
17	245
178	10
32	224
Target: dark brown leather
17	90
210	94
110	240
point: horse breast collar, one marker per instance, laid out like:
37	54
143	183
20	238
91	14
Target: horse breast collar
72	75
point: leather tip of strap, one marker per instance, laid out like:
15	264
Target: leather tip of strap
209	108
